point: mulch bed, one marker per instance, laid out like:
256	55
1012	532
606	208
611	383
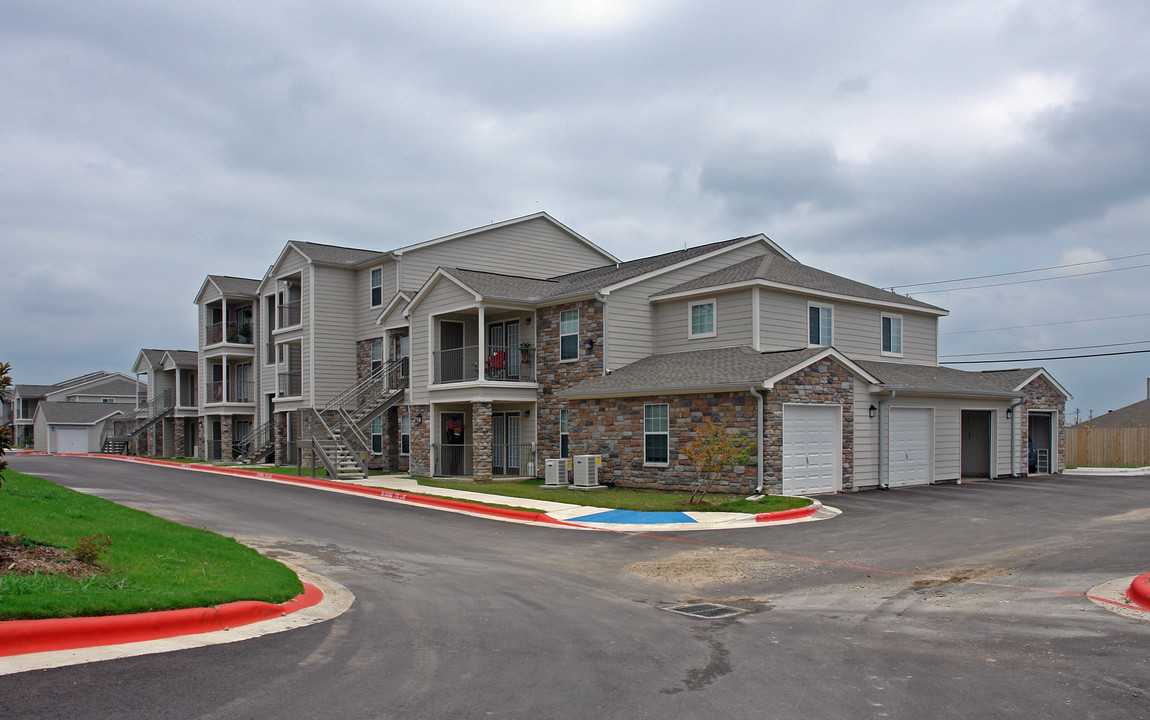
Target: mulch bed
22	557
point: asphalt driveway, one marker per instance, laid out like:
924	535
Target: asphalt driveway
947	601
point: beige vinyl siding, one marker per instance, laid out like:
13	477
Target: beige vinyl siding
866	437
444	297
294	263
366	315
732	323
333	332
534	248
631	315
919	339
40	433
782	320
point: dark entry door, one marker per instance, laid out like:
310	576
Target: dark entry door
454	449
451	351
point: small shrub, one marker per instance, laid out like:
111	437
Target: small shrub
89	549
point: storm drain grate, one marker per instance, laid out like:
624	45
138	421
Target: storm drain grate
708	611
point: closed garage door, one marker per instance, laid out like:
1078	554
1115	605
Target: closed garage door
812	441
72	440
910	459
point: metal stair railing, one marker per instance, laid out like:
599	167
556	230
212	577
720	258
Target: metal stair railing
155	411
319	430
256	443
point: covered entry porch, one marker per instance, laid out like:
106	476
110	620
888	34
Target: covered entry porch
483	440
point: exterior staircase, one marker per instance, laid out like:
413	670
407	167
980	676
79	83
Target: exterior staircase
152	413
256	444
337	431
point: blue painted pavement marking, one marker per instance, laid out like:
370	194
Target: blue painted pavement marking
635	517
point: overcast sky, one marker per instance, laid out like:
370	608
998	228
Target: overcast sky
144	145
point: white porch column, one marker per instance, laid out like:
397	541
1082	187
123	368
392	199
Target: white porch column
482	344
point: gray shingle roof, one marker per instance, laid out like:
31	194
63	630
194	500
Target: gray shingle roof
1133	415
696	369
335	255
936	378
153	356
776	269
184	358
30	392
513	287
230	285
81	413
114	385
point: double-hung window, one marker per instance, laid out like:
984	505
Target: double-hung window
821	325
377	436
376	355
656	434
405	432
891	334
569	335
564	434
701	319
377	287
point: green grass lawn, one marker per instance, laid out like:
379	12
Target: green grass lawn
625	498
152	564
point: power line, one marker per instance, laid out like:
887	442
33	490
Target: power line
1052	357
1058	349
1020	272
1026	282
1037	325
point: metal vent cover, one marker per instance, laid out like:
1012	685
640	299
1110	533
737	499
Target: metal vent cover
706	611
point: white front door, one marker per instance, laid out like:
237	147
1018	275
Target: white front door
910	458
72	440
812	445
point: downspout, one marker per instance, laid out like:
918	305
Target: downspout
757	394
882	445
606	367
1013	445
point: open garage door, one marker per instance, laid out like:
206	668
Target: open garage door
812	443
71	440
910	461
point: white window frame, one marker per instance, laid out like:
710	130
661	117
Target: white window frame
377	432
564	432
827	326
691	334
376	359
375	294
405	432
896	341
651	433
568	334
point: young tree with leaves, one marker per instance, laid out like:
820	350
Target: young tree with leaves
5	436
713	450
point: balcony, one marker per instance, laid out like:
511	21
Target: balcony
507	460
239	333
235	392
502	363
290	384
289	314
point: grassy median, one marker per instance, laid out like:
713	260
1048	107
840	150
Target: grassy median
145	563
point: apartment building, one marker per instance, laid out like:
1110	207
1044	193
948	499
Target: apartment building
482	353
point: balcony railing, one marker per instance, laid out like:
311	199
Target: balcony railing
240	333
507	460
452	460
290	384
289	314
501	364
236	392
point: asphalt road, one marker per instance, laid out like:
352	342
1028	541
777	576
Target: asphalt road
950	601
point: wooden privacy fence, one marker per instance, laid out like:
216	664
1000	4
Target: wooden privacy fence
1108	447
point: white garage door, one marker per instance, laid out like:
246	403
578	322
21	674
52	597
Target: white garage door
72	440
812	441
910	460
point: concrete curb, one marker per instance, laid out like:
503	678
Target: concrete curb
793	514
20	637
1139	591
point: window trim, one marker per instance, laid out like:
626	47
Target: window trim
691	334
665	433
374	435
893	317
578	322
375	290
830	309
405	432
564	432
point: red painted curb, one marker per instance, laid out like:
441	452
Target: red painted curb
20	637
1139	591
787	514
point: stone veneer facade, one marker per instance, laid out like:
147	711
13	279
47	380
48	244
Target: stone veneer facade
1041	396
613	427
823	383
555	375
